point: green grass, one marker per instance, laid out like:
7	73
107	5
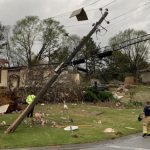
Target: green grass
82	114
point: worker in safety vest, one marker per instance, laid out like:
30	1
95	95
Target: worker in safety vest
30	98
146	120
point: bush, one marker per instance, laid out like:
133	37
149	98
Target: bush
91	95
134	104
105	96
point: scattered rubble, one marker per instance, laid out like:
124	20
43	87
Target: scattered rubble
99	122
130	128
10	98
3	108
39	118
109	130
117	97
71	128
3	123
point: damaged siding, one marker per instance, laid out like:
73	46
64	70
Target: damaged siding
4	78
145	77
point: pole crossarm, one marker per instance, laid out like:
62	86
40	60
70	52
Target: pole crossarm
58	70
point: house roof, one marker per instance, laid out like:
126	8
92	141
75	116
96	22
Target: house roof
3	62
23	67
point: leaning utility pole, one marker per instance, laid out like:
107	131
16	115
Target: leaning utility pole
58	71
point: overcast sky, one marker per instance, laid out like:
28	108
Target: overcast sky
138	15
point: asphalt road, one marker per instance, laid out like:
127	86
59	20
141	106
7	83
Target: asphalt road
133	142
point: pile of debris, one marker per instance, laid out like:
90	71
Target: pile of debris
64	89
9	98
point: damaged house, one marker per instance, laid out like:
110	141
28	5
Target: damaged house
3	72
145	75
23	80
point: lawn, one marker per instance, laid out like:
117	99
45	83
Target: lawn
91	119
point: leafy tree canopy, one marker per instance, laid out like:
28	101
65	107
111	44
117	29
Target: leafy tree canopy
35	39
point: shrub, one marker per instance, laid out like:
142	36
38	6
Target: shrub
92	95
89	96
105	96
134	104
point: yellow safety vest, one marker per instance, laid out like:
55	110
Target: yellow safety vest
30	99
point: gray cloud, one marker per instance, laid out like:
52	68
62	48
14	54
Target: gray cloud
13	10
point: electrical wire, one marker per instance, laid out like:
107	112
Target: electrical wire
103	6
132	10
118	22
121	15
66	13
140	40
109	3
91	3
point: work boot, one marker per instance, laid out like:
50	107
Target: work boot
148	134
144	134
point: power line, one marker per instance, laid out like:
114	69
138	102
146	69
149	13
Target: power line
126	43
132	10
92	3
109	3
121	15
86	5
120	21
65	13
102	6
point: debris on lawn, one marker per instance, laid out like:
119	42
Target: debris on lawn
3	108
63	118
3	123
130	128
39	118
99	122
71	128
54	124
109	130
122	89
74	104
47	115
9	98
118	104
25	121
117	97
65	105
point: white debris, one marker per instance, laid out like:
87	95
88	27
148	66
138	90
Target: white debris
116	96
74	104
3	108
109	130
99	122
65	106
130	128
3	123
71	128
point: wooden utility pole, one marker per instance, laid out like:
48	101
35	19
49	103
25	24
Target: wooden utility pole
58	70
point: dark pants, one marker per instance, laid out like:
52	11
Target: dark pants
30	114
